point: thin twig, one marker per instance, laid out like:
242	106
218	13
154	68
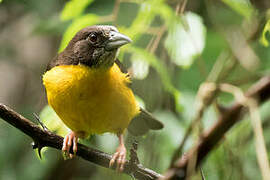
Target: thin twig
157	40
260	90
180	8
116	9
40	122
202	174
113	16
215	72
205	96
252	106
44	138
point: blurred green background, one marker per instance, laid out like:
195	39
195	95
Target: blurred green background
177	45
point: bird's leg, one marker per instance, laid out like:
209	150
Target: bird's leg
70	139
120	155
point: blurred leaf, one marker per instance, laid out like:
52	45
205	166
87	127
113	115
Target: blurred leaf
243	7
140	101
141	22
187	101
157	64
160	68
140	68
184	44
77	25
74	8
52	121
107	142
145	16
266	30
170	136
166	13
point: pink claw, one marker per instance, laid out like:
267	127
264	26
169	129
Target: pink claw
119	156
70	139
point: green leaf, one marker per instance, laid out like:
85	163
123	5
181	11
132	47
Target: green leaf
52	121
165	12
147	12
266	30
243	7
142	21
140	101
186	41
77	25
160	68
74	8
171	135
140	67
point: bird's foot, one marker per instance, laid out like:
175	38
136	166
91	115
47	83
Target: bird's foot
70	139
119	157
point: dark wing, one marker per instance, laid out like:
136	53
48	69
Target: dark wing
144	122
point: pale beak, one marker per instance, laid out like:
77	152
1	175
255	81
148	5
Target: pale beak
116	40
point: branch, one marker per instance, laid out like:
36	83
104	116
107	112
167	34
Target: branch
44	138
261	91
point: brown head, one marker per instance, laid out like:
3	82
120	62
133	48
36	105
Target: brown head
93	46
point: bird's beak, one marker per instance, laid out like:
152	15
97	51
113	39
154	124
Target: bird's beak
116	40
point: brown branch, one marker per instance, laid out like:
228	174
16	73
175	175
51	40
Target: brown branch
209	140
44	138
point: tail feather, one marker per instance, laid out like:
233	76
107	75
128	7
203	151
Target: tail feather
143	122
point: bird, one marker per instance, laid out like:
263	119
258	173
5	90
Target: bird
89	89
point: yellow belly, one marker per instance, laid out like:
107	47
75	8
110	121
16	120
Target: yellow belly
91	100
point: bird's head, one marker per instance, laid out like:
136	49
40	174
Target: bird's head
96	46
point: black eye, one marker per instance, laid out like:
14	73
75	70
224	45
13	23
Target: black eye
93	38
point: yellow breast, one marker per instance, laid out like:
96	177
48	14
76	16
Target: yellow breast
91	100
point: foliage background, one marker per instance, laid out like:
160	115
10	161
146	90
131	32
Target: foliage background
175	48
